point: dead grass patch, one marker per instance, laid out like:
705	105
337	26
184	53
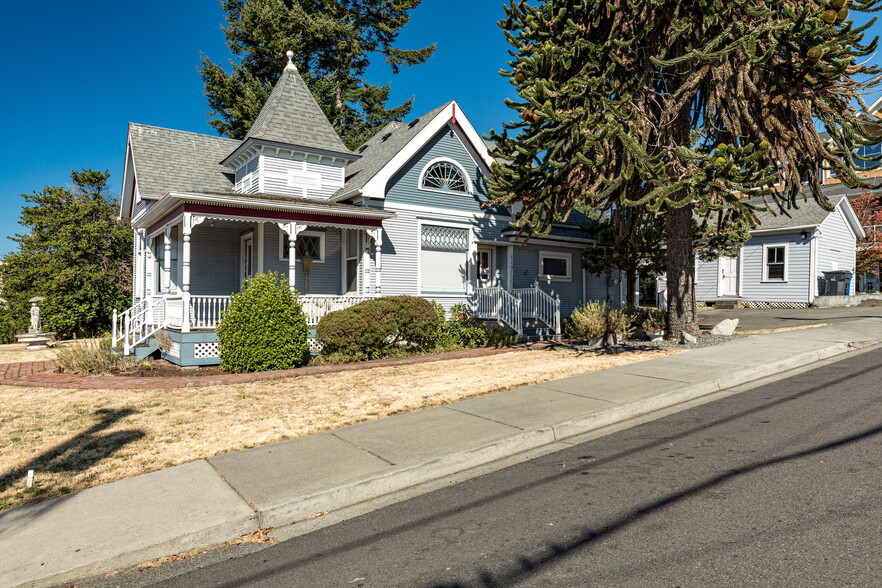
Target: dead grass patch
16	352
782	329
75	439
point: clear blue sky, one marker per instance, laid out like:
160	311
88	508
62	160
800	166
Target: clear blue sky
75	73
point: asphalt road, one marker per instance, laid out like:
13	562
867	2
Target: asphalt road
780	485
751	319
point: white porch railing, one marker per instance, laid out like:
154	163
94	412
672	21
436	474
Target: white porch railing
315	306
206	311
497	304
536	304
138	323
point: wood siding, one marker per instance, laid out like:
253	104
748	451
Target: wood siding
796	288
324	277
276	169
836	249
214	260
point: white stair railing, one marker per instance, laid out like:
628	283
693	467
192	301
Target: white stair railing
537	304
138	323
316	306
497	304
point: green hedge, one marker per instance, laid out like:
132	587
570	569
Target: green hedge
379	327
263	328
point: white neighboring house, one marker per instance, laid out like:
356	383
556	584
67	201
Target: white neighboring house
407	213
782	265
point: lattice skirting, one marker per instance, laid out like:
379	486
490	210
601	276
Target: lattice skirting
760	304
203	350
700	304
314	345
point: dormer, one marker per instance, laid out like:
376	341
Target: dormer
291	149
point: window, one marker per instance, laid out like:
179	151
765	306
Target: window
443	259
775	266
159	261
308	242
444	175
555	266
874	152
351	250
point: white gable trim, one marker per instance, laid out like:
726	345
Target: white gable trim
851	219
376	186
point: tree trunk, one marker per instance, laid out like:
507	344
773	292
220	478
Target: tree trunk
631	287
681	272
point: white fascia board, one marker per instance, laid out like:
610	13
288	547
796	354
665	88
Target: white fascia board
875	106
851	218
449	212
127	198
783	229
554	241
376	186
346	196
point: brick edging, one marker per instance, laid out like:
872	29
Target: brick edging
43	374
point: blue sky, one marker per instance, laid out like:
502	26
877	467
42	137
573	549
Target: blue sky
75	73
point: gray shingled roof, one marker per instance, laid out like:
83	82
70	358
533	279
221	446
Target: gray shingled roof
802	214
168	160
381	148
293	117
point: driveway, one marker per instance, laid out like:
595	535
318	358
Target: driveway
754	319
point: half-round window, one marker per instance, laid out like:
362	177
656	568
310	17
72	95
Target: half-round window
444	175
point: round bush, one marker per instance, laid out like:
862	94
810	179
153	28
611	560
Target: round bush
376	328
263	328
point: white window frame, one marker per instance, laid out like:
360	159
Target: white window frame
283	251
471	253
766	248
568	257
455	164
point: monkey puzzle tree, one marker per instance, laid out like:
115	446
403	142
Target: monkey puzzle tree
680	108
333	42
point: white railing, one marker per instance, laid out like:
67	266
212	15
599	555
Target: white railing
174	311
497	304
536	304
315	306
138	323
206	311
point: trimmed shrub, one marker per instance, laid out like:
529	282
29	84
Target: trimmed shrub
10	326
263	328
461	330
377	328
598	319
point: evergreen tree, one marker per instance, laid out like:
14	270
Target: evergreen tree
333	42
680	108
76	253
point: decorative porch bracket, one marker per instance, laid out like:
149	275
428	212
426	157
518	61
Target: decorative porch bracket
292	229
187	223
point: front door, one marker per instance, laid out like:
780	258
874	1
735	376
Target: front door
728	276
486	267
247	261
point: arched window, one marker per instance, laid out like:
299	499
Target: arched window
444	175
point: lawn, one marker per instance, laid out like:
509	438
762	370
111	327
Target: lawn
75	439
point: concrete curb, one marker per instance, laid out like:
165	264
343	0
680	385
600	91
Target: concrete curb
376	486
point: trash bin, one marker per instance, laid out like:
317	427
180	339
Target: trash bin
836	283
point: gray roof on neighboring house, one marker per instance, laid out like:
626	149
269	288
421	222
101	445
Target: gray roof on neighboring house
293	117
168	160
381	148
802	214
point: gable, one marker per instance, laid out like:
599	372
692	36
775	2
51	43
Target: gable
405	186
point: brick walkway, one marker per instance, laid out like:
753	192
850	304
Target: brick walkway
42	373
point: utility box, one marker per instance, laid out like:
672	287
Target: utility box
836	283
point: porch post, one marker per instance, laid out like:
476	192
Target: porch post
166	261
185	274
378	261
366	265
292	228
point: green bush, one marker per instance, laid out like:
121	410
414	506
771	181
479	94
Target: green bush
462	330
263	328
598	319
10	326
378	328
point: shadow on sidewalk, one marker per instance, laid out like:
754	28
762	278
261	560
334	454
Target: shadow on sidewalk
80	452
554	552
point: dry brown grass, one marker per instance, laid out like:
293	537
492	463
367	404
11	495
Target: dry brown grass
15	352
75	439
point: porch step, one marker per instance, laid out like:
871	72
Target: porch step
728	304
144	349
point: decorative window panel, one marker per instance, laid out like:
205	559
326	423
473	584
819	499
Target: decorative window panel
445	176
306	243
446	238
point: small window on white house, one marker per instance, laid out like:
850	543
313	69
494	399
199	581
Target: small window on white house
444	175
308	242
775	266
555	266
443	259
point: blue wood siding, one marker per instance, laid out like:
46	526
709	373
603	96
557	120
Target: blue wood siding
706	279
214	260
324	277
526	272
796	288
836	249
404	186
275	170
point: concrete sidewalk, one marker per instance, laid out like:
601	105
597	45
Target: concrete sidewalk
208	502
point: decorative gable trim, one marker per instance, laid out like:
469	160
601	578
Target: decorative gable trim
451	116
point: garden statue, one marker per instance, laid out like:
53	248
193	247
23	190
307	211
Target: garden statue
36	338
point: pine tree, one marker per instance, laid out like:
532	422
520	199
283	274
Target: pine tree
75	252
681	108
333	42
